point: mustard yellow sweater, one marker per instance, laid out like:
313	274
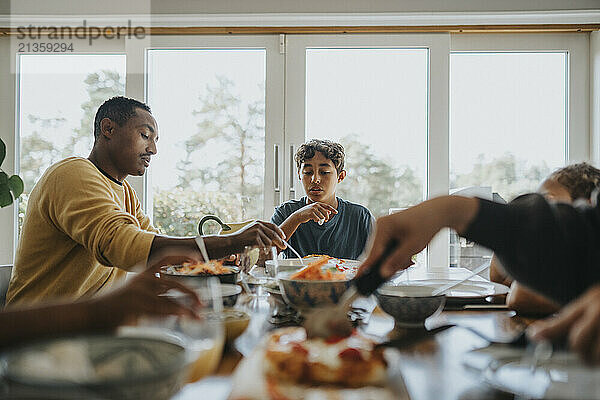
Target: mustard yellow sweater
78	225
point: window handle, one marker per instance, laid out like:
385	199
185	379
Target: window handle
292	175
276	187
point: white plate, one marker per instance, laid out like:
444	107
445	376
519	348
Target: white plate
561	377
466	290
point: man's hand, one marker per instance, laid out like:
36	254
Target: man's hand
579	322
318	212
259	233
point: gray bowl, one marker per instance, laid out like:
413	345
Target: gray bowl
409	305
304	294
101	366
229	294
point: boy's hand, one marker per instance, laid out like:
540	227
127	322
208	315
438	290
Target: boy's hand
579	322
318	212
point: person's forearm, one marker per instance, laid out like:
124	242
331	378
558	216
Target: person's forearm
290	225
216	246
549	247
20	325
454	212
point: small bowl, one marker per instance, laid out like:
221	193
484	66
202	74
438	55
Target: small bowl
305	294
409	305
194	280
234	321
229	294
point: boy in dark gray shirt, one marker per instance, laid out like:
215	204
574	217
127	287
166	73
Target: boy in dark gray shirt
322	223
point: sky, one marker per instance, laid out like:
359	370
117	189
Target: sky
502	102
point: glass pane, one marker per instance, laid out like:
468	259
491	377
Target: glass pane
374	102
58	99
508	120
508	128
210	108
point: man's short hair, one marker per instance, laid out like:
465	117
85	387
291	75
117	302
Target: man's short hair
118	109
580	180
331	150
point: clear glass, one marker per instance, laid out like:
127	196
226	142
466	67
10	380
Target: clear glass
374	102
59	95
257	269
203	338
508	120
210	108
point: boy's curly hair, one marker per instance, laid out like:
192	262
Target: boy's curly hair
580	179
331	150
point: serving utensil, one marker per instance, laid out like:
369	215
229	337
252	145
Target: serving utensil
293	251
333	320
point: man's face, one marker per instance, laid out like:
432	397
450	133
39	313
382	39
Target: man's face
133	144
320	178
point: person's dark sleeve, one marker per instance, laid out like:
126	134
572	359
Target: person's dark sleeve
278	216
552	248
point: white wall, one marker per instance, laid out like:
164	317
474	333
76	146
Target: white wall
93	7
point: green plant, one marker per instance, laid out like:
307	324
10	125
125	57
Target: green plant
13	184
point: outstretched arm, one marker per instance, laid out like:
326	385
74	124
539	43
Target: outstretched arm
139	297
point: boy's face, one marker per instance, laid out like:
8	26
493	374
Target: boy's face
320	178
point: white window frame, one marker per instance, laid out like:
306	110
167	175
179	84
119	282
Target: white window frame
578	137
10	67
437	173
274	94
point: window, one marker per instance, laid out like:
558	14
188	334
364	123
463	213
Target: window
58	99
374	102
217	108
387	95
210	106
508	119
519	109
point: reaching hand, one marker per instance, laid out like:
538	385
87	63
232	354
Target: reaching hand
141	297
318	212
579	322
259	233
412	229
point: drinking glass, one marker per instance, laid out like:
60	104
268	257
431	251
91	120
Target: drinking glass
203	338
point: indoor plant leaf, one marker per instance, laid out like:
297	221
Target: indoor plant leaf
2	151
5	197
3	181
16	186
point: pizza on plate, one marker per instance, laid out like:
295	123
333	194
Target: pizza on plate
353	361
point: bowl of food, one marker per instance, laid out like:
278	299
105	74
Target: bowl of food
316	285
410	305
293	264
98	366
192	274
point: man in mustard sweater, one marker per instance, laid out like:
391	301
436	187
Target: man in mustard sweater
84	227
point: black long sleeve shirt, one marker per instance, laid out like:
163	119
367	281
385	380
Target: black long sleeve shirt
552	248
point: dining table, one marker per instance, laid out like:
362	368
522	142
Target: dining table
430	361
